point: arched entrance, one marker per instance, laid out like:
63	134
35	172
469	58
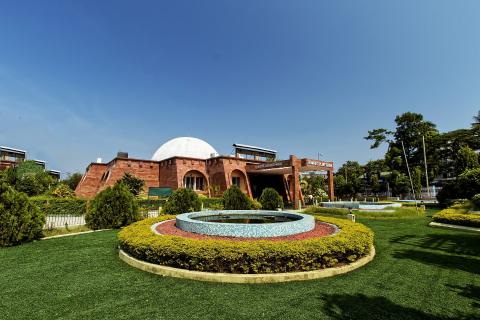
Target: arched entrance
239	179
196	181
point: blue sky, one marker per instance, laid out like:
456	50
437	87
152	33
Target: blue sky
85	79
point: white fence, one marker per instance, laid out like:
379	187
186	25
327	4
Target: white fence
65	221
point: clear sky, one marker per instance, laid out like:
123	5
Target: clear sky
85	79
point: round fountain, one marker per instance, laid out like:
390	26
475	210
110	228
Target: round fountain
246	224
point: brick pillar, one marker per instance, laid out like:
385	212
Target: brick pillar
330	185
295	163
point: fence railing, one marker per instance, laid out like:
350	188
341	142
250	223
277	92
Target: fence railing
62	221
65	221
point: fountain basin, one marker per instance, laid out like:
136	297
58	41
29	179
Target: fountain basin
245	223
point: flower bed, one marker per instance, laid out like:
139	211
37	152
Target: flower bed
248	257
458	215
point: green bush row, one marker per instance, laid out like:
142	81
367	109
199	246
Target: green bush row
458	215
261	256
388	213
150	204
212	203
60	206
78	207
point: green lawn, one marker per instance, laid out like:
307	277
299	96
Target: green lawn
418	273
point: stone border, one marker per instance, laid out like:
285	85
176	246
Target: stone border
243	278
453	226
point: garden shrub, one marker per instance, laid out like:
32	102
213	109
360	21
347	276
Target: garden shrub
255	204
458	215
260	256
212	203
270	199
60	206
235	199
113	207
476	201
20	220
181	201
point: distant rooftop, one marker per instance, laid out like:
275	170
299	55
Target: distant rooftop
253	148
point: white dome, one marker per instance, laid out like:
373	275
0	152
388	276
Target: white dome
184	147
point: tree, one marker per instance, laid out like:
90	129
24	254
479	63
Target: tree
30	178
353	183
313	185
466	159
399	183
20	220
72	180
476	120
410	128
469	183
114	207
134	184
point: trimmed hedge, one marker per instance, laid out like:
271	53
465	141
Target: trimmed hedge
150	204
212	203
60	206
458	215
248	257
397	212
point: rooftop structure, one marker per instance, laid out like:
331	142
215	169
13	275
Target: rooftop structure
252	152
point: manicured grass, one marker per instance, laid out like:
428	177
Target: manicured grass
418	273
62	231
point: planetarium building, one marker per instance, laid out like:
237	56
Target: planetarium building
193	163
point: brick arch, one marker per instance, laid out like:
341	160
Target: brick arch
242	177
194	174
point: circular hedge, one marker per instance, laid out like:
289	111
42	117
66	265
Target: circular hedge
353	242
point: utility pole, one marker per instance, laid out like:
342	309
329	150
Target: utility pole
410	176
426	169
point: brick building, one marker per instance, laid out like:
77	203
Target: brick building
193	163
12	157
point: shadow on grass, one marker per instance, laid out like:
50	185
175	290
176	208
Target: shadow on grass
471	292
441	260
338	306
463	244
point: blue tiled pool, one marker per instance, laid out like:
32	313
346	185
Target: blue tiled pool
245	223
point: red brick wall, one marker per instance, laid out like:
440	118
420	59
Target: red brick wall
99	175
90	183
143	169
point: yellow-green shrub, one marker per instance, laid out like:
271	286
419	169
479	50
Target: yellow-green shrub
261	256
458	215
